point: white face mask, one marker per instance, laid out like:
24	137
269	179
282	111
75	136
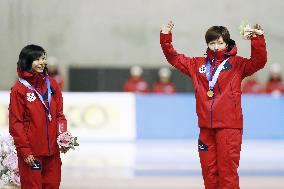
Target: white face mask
217	44
39	64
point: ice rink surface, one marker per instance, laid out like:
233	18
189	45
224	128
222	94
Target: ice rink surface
165	164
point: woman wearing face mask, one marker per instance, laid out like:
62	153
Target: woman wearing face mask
217	82
35	111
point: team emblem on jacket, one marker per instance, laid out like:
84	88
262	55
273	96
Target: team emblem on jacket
227	66
202	69
31	97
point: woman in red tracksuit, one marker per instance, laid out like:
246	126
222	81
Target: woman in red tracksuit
35	111
217	83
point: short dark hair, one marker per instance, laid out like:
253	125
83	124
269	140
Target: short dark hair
215	32
27	55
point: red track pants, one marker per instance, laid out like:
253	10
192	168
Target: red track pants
219	152
48	177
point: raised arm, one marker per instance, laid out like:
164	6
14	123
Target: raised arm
179	61
258	57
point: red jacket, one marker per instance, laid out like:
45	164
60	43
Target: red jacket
137	85
29	126
164	88
223	110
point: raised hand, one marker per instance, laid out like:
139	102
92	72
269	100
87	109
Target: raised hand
258	29
248	32
167	29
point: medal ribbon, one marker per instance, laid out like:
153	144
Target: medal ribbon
215	76
24	82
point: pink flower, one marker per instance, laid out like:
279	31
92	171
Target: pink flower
11	162
9	172
7	146
65	139
15	178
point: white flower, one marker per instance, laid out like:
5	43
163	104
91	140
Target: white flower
5	178
2	183
245	30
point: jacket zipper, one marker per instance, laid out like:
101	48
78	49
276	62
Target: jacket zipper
47	135
211	108
213	98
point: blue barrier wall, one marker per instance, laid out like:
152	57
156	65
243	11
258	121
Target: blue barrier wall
174	117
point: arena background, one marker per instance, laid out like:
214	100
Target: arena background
142	141
118	34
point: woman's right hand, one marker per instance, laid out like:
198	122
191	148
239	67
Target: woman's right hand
258	29
29	160
167	29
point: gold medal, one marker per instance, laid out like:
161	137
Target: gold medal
210	93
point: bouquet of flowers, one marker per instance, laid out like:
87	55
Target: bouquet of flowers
66	141
9	171
247	32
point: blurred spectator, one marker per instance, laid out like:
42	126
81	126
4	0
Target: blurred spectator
136	83
274	85
53	70
251	85
164	85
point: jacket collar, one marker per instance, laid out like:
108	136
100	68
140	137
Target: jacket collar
219	56
34	78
